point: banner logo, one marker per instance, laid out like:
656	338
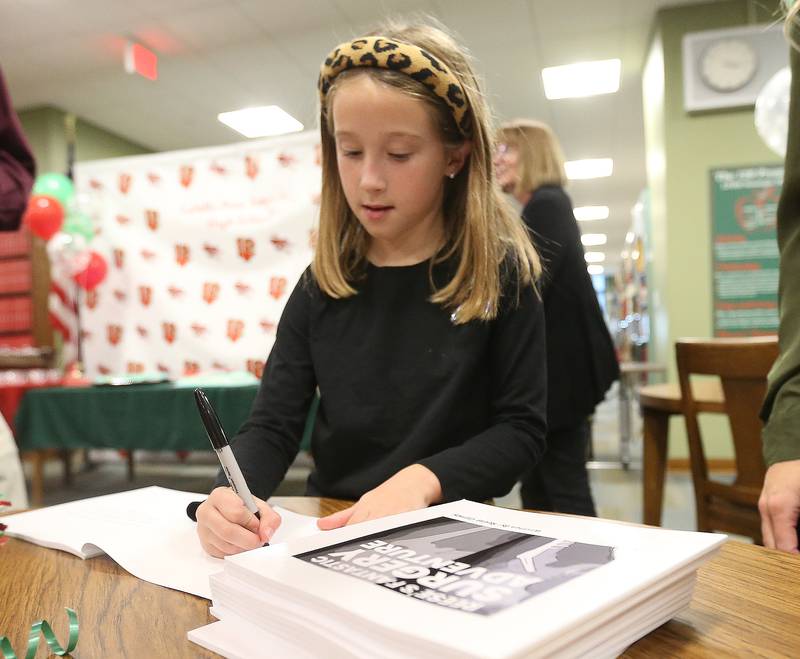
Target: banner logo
182	254
114	334
145	295
152	219
235	329
119	257
169	332
124	183
191	368
251	167
187	174
256	367
135	367
246	247
277	287
92	298
210	291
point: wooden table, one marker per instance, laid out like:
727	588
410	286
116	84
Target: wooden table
747	602
658	402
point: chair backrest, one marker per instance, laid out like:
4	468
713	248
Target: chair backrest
742	365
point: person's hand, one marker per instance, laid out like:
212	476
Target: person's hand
225	526
779	506
411	488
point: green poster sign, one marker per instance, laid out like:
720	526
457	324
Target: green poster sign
744	202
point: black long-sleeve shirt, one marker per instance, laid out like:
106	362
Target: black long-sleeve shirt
399	384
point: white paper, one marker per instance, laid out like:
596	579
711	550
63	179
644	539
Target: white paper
645	560
146	531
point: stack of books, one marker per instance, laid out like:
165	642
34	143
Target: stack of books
459	580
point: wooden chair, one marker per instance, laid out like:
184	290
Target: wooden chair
742	366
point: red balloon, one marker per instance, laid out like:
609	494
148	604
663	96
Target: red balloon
44	215
93	273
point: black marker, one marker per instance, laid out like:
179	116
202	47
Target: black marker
223	450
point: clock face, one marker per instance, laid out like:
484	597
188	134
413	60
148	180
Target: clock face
728	65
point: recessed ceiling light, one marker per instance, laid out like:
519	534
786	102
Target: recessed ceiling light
595	269
588	213
594	257
630	237
261	121
591	239
589	168
582	79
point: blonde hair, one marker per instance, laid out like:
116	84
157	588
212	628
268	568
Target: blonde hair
792	24
541	161
482	230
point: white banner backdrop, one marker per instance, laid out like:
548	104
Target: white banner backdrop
203	248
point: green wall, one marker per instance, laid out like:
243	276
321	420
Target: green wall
681	149
45	130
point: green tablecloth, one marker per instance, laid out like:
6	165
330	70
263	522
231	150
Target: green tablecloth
156	417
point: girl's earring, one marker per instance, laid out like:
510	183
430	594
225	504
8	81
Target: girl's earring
452	175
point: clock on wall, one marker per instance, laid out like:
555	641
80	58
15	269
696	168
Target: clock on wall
727	65
727	68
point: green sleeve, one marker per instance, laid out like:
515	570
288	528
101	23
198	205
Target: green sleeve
782	404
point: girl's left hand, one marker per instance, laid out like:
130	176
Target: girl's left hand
411	488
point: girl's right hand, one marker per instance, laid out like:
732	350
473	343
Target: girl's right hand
225	526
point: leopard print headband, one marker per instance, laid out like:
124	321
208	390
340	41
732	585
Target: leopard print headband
385	53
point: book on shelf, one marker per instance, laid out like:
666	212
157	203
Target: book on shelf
460	580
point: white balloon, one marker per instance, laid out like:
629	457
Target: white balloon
772	111
68	253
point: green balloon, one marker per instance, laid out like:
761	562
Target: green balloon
55	185
79	224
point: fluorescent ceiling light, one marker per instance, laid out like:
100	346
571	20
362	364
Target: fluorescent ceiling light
589	168
582	79
630	237
594	257
591	239
595	269
588	213
261	121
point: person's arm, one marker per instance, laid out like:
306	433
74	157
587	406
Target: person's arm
268	442
490	463
549	218
780	498
17	166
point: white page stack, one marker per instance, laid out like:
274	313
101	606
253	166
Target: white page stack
460	580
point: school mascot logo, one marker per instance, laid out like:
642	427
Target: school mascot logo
114	334
124	182
251	167
277	287
210	291
256	367
152	219
235	329
145	295
181	254
191	368
246	247
169	332
119	258
187	174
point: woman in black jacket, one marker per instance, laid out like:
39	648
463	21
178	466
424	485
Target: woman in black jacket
581	361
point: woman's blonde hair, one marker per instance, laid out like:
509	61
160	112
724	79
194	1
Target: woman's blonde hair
541	161
482	230
791	27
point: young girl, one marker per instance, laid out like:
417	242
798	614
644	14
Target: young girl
418	319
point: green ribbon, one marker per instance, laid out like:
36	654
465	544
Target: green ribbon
43	627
